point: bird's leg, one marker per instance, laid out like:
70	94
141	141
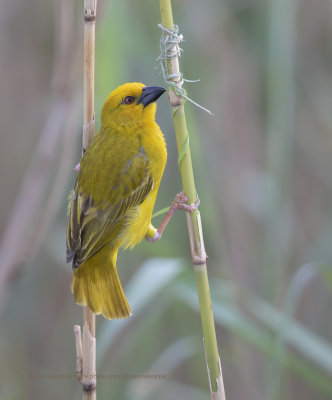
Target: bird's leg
77	167
179	203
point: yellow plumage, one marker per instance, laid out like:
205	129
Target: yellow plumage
114	195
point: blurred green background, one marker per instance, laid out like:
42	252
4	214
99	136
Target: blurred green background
263	170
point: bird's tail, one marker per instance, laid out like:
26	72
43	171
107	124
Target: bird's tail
97	285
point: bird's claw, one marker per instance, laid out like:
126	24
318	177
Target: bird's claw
180	203
77	167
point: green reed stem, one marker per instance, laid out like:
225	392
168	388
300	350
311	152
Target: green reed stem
194	221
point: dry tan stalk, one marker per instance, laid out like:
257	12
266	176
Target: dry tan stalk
88	370
79	352
89	363
90	7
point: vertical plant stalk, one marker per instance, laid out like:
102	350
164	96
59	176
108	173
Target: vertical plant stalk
281	107
89	71
86	345
193	219
279	146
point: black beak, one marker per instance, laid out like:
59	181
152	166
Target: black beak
150	94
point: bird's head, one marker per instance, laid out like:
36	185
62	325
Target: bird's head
131	102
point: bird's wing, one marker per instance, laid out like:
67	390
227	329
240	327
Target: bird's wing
89	227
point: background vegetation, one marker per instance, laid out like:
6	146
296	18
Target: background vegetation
263	170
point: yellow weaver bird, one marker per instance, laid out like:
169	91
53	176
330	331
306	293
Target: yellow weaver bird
114	195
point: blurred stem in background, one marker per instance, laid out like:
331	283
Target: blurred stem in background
28	219
280	126
296	287
277	245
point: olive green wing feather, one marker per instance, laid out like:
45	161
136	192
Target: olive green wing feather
93	224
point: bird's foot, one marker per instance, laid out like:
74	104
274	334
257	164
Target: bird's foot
77	167
180	203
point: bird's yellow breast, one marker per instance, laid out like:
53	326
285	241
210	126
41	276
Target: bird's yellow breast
139	218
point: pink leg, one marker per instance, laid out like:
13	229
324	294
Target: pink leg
77	167
179	203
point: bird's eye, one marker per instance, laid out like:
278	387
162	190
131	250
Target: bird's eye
128	100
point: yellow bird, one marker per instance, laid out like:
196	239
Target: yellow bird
114	195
